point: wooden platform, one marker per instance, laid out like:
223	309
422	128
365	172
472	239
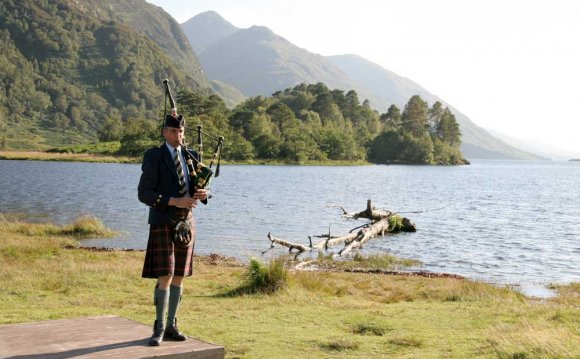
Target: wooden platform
95	337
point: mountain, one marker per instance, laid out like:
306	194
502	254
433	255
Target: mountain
392	88
259	62
206	29
66	66
546	150
231	95
154	23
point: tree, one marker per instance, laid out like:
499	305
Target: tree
414	118
351	107
387	147
111	130
435	113
266	146
448	129
326	108
238	148
139	135
280	114
338	145
392	120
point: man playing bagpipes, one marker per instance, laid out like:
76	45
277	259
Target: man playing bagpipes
171	184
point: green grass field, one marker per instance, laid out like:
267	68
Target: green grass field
317	314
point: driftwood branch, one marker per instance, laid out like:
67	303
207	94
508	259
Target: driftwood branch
291	246
381	222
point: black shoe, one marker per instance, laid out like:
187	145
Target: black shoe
172	333
157	337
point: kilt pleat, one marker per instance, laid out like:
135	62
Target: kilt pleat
163	258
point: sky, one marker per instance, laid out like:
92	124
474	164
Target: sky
511	66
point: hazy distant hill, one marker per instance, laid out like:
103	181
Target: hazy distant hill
66	66
392	88
544	149
205	29
259	62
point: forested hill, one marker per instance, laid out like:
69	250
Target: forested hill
66	66
153	22
311	122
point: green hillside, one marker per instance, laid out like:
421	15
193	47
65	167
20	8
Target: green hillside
64	71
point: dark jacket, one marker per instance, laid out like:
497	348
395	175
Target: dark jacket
158	183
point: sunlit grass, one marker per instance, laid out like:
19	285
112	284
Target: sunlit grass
376	261
65	157
82	227
317	315
262	278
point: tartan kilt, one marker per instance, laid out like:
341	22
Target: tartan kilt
163	258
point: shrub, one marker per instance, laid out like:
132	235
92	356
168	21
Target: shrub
263	279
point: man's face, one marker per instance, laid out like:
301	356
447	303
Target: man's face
173	136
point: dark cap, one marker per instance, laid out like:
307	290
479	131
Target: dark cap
171	121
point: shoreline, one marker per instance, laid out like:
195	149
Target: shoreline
532	291
64	157
96	158
20	155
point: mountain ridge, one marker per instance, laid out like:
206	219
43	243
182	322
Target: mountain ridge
259	62
213	27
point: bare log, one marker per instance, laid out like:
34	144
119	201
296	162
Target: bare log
381	222
291	246
365	234
370	213
334	241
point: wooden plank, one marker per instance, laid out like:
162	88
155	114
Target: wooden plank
95	337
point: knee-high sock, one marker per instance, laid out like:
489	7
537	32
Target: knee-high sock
174	299
161	300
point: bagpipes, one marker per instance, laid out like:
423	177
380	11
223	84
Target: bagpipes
199	174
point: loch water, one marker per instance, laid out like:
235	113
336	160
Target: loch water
511	223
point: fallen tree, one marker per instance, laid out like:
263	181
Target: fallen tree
380	222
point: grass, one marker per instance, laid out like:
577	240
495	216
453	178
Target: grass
318	314
104	153
261	278
65	157
96	148
378	261
82	227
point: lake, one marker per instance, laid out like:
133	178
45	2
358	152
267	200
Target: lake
504	222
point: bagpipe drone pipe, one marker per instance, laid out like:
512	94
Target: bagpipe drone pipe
200	175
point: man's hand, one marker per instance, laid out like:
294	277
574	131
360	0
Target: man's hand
183	202
200	194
